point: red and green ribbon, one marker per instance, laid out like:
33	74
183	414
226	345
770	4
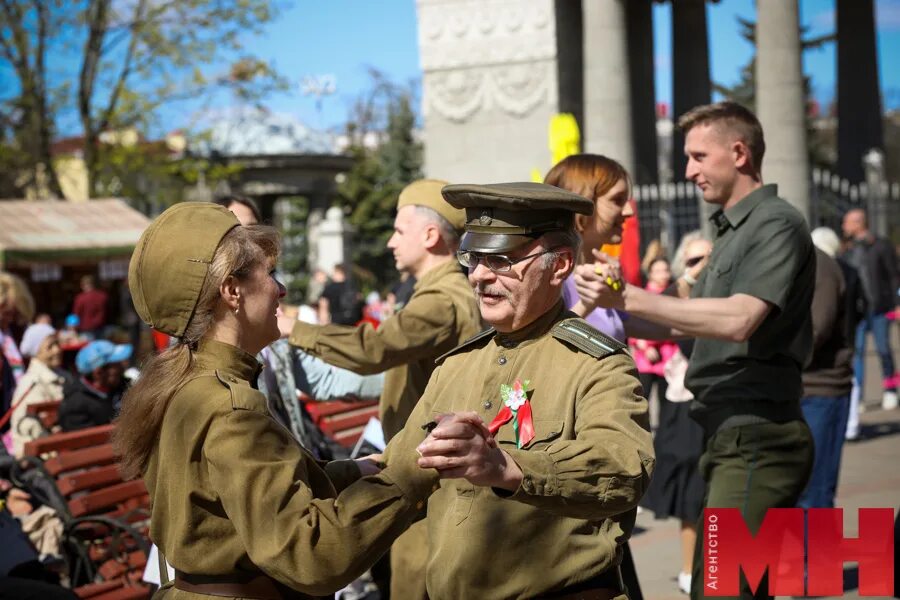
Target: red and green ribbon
516	408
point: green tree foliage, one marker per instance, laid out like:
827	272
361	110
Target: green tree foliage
152	176
131	58
292	214
744	91
386	158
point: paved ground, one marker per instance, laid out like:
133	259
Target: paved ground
870	477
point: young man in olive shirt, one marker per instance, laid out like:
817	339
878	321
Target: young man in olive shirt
750	310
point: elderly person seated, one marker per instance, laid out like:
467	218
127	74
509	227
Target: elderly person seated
42	382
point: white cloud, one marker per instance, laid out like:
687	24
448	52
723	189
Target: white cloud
887	15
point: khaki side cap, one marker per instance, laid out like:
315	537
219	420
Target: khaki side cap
427	192
171	261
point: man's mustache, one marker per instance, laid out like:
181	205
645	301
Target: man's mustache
486	290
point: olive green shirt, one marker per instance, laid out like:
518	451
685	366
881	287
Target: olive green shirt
233	494
762	249
439	316
583	473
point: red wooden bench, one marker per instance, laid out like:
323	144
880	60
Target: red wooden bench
45	412
344	422
107	518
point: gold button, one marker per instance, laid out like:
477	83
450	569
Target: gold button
419	505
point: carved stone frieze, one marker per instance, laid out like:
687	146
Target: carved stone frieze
486	55
512	89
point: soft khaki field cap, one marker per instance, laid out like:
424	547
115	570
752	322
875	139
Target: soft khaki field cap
503	216
171	261
427	192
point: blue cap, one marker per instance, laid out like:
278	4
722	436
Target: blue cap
100	353
73	321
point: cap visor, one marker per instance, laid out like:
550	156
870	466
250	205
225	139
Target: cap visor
120	353
493	243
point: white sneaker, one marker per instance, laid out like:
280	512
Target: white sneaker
889	400
684	583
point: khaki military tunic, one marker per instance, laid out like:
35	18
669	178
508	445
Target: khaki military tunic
234	494
584	471
439	316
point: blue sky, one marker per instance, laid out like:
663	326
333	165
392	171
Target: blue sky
342	38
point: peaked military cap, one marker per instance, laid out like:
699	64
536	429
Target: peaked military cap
503	216
427	192
171	261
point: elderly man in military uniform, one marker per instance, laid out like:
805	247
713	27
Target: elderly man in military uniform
551	407
439	316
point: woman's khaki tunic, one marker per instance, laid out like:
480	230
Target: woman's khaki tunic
233	493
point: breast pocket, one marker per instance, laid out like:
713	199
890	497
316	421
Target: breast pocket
465	495
545	431
719	278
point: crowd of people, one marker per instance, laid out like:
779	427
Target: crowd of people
513	364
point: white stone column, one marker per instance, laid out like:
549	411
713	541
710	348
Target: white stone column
607	96
780	101
331	244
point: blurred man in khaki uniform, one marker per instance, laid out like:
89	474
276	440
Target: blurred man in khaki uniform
440	315
553	498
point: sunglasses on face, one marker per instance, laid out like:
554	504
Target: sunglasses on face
498	263
693	261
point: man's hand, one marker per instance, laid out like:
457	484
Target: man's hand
462	447
285	323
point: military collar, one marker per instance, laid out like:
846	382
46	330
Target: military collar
438	272
229	359
533	330
737	214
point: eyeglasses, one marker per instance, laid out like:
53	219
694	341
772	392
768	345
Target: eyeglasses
498	263
692	261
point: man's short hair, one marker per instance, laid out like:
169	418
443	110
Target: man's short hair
448	232
732	118
227	201
568	238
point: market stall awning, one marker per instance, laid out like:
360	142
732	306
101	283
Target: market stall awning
35	232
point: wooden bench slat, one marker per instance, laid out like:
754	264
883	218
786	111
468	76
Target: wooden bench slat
320	410
337	424
39	407
126	592
107	497
88	479
113	569
80	459
93	589
70	440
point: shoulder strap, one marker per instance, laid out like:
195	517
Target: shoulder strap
243	396
582	335
484	335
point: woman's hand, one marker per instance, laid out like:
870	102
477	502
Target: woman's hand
372	464
600	284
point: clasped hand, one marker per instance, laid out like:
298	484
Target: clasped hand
591	282
461	446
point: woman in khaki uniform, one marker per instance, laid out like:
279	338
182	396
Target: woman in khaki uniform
239	508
